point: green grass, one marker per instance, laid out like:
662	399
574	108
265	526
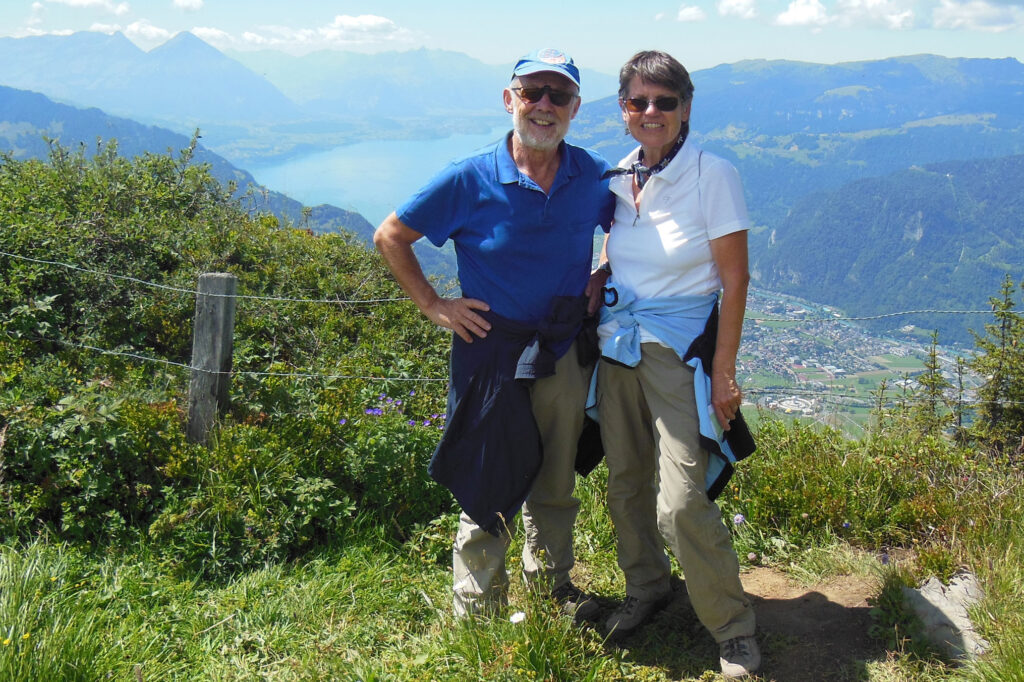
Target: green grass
376	610
895	362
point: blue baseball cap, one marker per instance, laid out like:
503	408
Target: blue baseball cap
547	59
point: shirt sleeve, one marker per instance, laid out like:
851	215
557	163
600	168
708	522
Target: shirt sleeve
606	211
721	192
438	209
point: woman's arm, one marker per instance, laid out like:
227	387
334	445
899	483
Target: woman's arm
730	256
598	278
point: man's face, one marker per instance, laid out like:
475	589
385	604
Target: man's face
541	125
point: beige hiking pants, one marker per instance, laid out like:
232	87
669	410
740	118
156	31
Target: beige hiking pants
480	581
656	470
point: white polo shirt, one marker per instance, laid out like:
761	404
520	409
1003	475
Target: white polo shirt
663	248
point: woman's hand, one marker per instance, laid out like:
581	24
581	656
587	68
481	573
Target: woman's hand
593	292
726	397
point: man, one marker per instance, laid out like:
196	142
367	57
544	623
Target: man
522	215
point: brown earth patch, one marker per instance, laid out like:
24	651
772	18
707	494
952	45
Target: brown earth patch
811	633
807	633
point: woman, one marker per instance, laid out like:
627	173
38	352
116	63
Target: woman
678	239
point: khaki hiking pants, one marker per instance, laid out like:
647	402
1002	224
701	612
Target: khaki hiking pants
656	491
480	581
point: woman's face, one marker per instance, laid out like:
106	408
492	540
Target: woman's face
654	129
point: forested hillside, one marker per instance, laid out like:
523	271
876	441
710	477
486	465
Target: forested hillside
28	120
942	236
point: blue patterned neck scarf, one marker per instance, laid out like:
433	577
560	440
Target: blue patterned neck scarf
642	173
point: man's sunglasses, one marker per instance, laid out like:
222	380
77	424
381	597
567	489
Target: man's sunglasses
559	98
638	105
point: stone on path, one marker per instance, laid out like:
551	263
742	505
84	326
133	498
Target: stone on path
943	612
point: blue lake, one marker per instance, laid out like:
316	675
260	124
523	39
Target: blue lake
369	177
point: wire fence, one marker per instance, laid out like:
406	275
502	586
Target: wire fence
825	395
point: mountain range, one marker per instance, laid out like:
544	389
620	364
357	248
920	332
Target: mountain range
793	128
28	120
265	104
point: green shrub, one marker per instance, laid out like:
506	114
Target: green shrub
87	466
807	484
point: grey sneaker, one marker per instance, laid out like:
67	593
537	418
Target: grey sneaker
633	613
575	602
739	656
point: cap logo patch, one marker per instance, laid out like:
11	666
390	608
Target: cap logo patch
551	56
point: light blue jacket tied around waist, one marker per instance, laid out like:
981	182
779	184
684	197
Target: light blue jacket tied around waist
676	321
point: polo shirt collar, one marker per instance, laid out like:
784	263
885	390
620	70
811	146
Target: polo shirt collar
508	172
684	158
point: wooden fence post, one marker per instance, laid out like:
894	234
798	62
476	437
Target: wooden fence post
212	345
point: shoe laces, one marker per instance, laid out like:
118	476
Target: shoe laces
629	606
737	647
568	592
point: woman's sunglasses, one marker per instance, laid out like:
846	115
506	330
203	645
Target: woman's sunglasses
638	105
559	98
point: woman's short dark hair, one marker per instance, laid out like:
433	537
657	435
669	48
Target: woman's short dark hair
660	68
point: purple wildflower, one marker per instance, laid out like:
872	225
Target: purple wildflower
739	519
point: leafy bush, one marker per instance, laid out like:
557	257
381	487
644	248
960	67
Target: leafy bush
87	466
104	255
807	484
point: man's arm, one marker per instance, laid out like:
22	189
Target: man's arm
394	240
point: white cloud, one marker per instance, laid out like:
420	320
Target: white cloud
744	9
189	5
139	32
213	36
977	15
36	32
804	13
891	14
119	9
365	27
35	17
344	32
691	13
145	32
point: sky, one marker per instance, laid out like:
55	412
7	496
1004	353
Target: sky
599	34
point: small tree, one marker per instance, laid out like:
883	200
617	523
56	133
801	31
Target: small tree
1000	362
931	410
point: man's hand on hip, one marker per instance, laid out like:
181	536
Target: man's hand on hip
457	314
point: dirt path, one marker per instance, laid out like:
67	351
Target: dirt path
807	634
812	633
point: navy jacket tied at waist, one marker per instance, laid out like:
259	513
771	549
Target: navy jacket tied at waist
491	449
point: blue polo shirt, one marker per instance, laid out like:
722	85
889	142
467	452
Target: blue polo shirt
516	247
